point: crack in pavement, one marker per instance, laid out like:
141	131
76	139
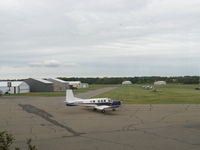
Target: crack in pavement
46	116
167	116
187	107
133	128
128	128
166	137
108	141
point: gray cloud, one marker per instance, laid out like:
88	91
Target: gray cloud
48	63
99	38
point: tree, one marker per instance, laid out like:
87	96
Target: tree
6	140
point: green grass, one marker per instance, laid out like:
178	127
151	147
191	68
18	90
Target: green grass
52	94
169	94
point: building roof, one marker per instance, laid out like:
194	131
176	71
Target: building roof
73	82
160	82
126	82
42	80
13	83
59	80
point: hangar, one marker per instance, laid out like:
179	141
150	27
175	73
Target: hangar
16	87
75	84
160	83
39	85
126	82
58	84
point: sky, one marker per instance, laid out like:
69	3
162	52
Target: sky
89	38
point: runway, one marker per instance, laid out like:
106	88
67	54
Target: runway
53	126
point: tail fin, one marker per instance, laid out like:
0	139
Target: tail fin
69	95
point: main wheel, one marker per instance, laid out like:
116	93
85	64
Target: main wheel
94	109
103	111
113	109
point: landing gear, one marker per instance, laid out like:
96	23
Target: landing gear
94	109
113	109
103	111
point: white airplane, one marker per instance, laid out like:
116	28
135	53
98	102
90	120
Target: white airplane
97	103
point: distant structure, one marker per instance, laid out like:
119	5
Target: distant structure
85	85
39	85
58	84
14	87
160	83
75	84
126	83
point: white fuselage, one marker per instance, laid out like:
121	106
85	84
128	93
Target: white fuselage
96	103
91	102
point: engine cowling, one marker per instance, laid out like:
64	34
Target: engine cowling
116	103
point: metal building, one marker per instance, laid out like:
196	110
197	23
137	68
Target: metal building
39	85
14	87
85	85
59	85
160	83
126	82
75	84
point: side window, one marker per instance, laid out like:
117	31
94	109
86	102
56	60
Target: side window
104	100
98	101
93	101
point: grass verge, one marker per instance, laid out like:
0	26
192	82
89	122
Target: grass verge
169	94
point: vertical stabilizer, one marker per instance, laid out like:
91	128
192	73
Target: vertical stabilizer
69	95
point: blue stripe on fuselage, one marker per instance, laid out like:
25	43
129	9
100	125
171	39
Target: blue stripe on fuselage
99	104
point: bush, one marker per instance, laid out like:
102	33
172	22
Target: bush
6	140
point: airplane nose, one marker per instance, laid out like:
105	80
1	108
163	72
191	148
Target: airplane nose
116	103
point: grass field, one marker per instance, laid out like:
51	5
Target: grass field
169	94
51	94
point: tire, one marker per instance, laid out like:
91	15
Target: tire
103	111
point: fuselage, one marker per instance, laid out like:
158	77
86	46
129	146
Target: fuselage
95	102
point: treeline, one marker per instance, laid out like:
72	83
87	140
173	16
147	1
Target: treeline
136	80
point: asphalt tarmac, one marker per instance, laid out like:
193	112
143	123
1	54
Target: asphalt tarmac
54	126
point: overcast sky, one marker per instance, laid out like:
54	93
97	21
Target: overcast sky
90	38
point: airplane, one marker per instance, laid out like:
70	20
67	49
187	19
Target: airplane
101	104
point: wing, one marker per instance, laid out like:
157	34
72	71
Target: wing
102	107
